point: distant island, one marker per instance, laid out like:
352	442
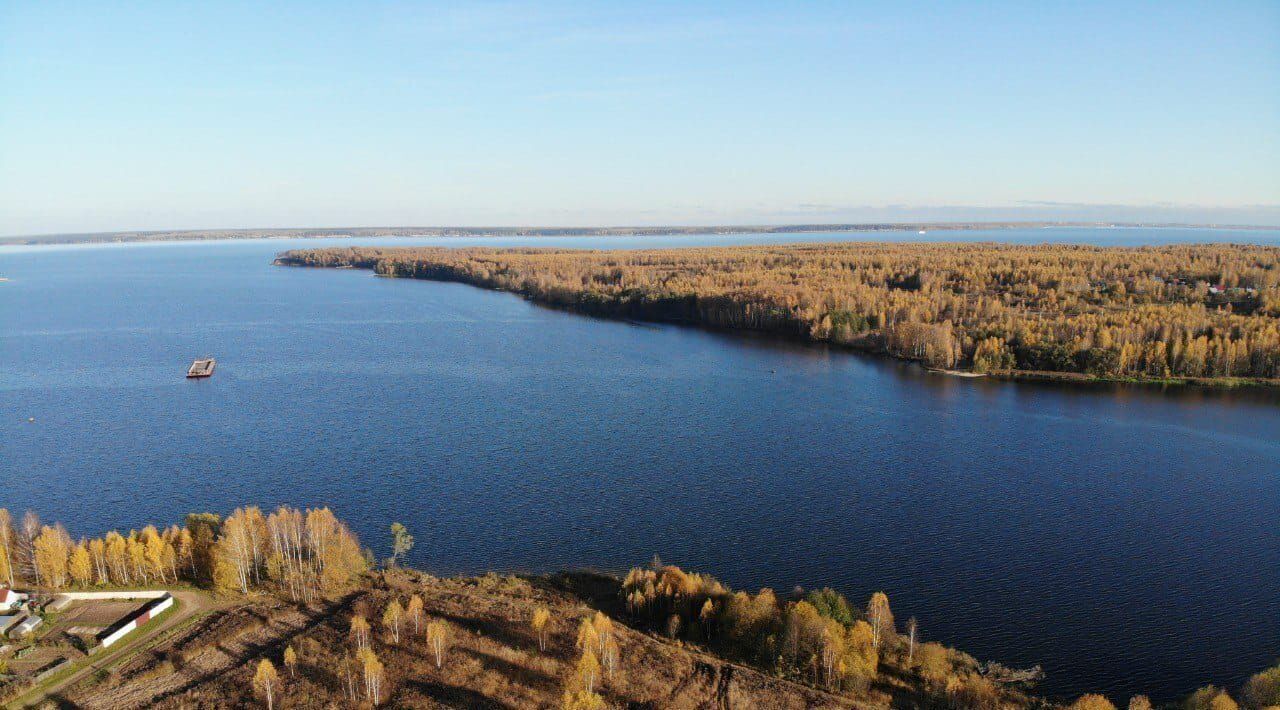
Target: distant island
1184	314
340	232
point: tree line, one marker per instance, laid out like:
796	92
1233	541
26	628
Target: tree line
1203	311
297	553
819	637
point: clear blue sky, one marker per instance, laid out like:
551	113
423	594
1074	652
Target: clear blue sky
172	115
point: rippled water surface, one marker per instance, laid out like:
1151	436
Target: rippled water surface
1127	538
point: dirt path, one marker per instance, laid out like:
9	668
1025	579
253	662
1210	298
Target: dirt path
190	604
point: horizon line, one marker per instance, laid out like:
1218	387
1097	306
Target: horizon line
601	230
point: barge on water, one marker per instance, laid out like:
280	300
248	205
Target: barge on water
201	368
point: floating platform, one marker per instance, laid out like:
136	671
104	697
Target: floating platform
201	368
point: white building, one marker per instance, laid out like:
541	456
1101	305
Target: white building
10	599
27	626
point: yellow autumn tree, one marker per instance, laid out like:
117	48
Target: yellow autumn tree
933	664
291	661
391	619
582	700
153	552
136	553
80	566
438	638
51	549
6	547
586	673
881	619
587	636
1092	701
414	612
1262	690
541	618
266	681
1210	698
98	554
117	558
607	651
374	676
359	632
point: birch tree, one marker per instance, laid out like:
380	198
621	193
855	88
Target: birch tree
117	558
137	553
235	551
415	612
291	661
359	632
831	650
374	675
587	671
351	664
401	543
541	617
913	627
98	554
880	618
588	639
6	546
391	619
80	566
438	640
27	545
607	651
266	680
50	550
153	549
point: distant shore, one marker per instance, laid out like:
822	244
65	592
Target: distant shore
592	283
351	232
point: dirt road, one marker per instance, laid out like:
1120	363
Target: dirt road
190	604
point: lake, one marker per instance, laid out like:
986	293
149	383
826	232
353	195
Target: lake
1125	537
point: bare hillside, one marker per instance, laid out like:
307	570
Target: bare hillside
493	659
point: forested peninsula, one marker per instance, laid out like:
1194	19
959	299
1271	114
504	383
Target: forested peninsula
287	608
1203	314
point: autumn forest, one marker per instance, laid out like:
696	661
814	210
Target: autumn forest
1206	313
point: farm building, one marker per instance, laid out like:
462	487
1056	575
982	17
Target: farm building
26	626
122	628
10	599
58	603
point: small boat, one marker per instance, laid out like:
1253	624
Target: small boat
922	231
201	368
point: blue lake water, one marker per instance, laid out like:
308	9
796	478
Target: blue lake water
1126	538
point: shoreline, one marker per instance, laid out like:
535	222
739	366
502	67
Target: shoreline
1219	383
206	235
1074	378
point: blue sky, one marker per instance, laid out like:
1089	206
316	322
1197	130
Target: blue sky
176	115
